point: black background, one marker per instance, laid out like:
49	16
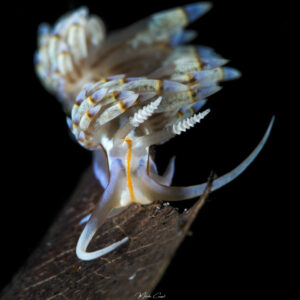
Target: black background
235	249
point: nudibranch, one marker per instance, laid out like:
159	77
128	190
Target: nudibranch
127	91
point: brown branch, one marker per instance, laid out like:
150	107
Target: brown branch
54	272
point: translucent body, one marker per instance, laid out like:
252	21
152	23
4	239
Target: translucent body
122	93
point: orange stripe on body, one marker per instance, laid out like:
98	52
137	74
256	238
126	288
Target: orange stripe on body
128	160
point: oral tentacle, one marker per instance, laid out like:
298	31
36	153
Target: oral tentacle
167	177
162	192
108	201
100	167
169	173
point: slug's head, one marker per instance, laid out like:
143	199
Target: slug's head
125	116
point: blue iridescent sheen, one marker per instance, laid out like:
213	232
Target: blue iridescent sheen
196	10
